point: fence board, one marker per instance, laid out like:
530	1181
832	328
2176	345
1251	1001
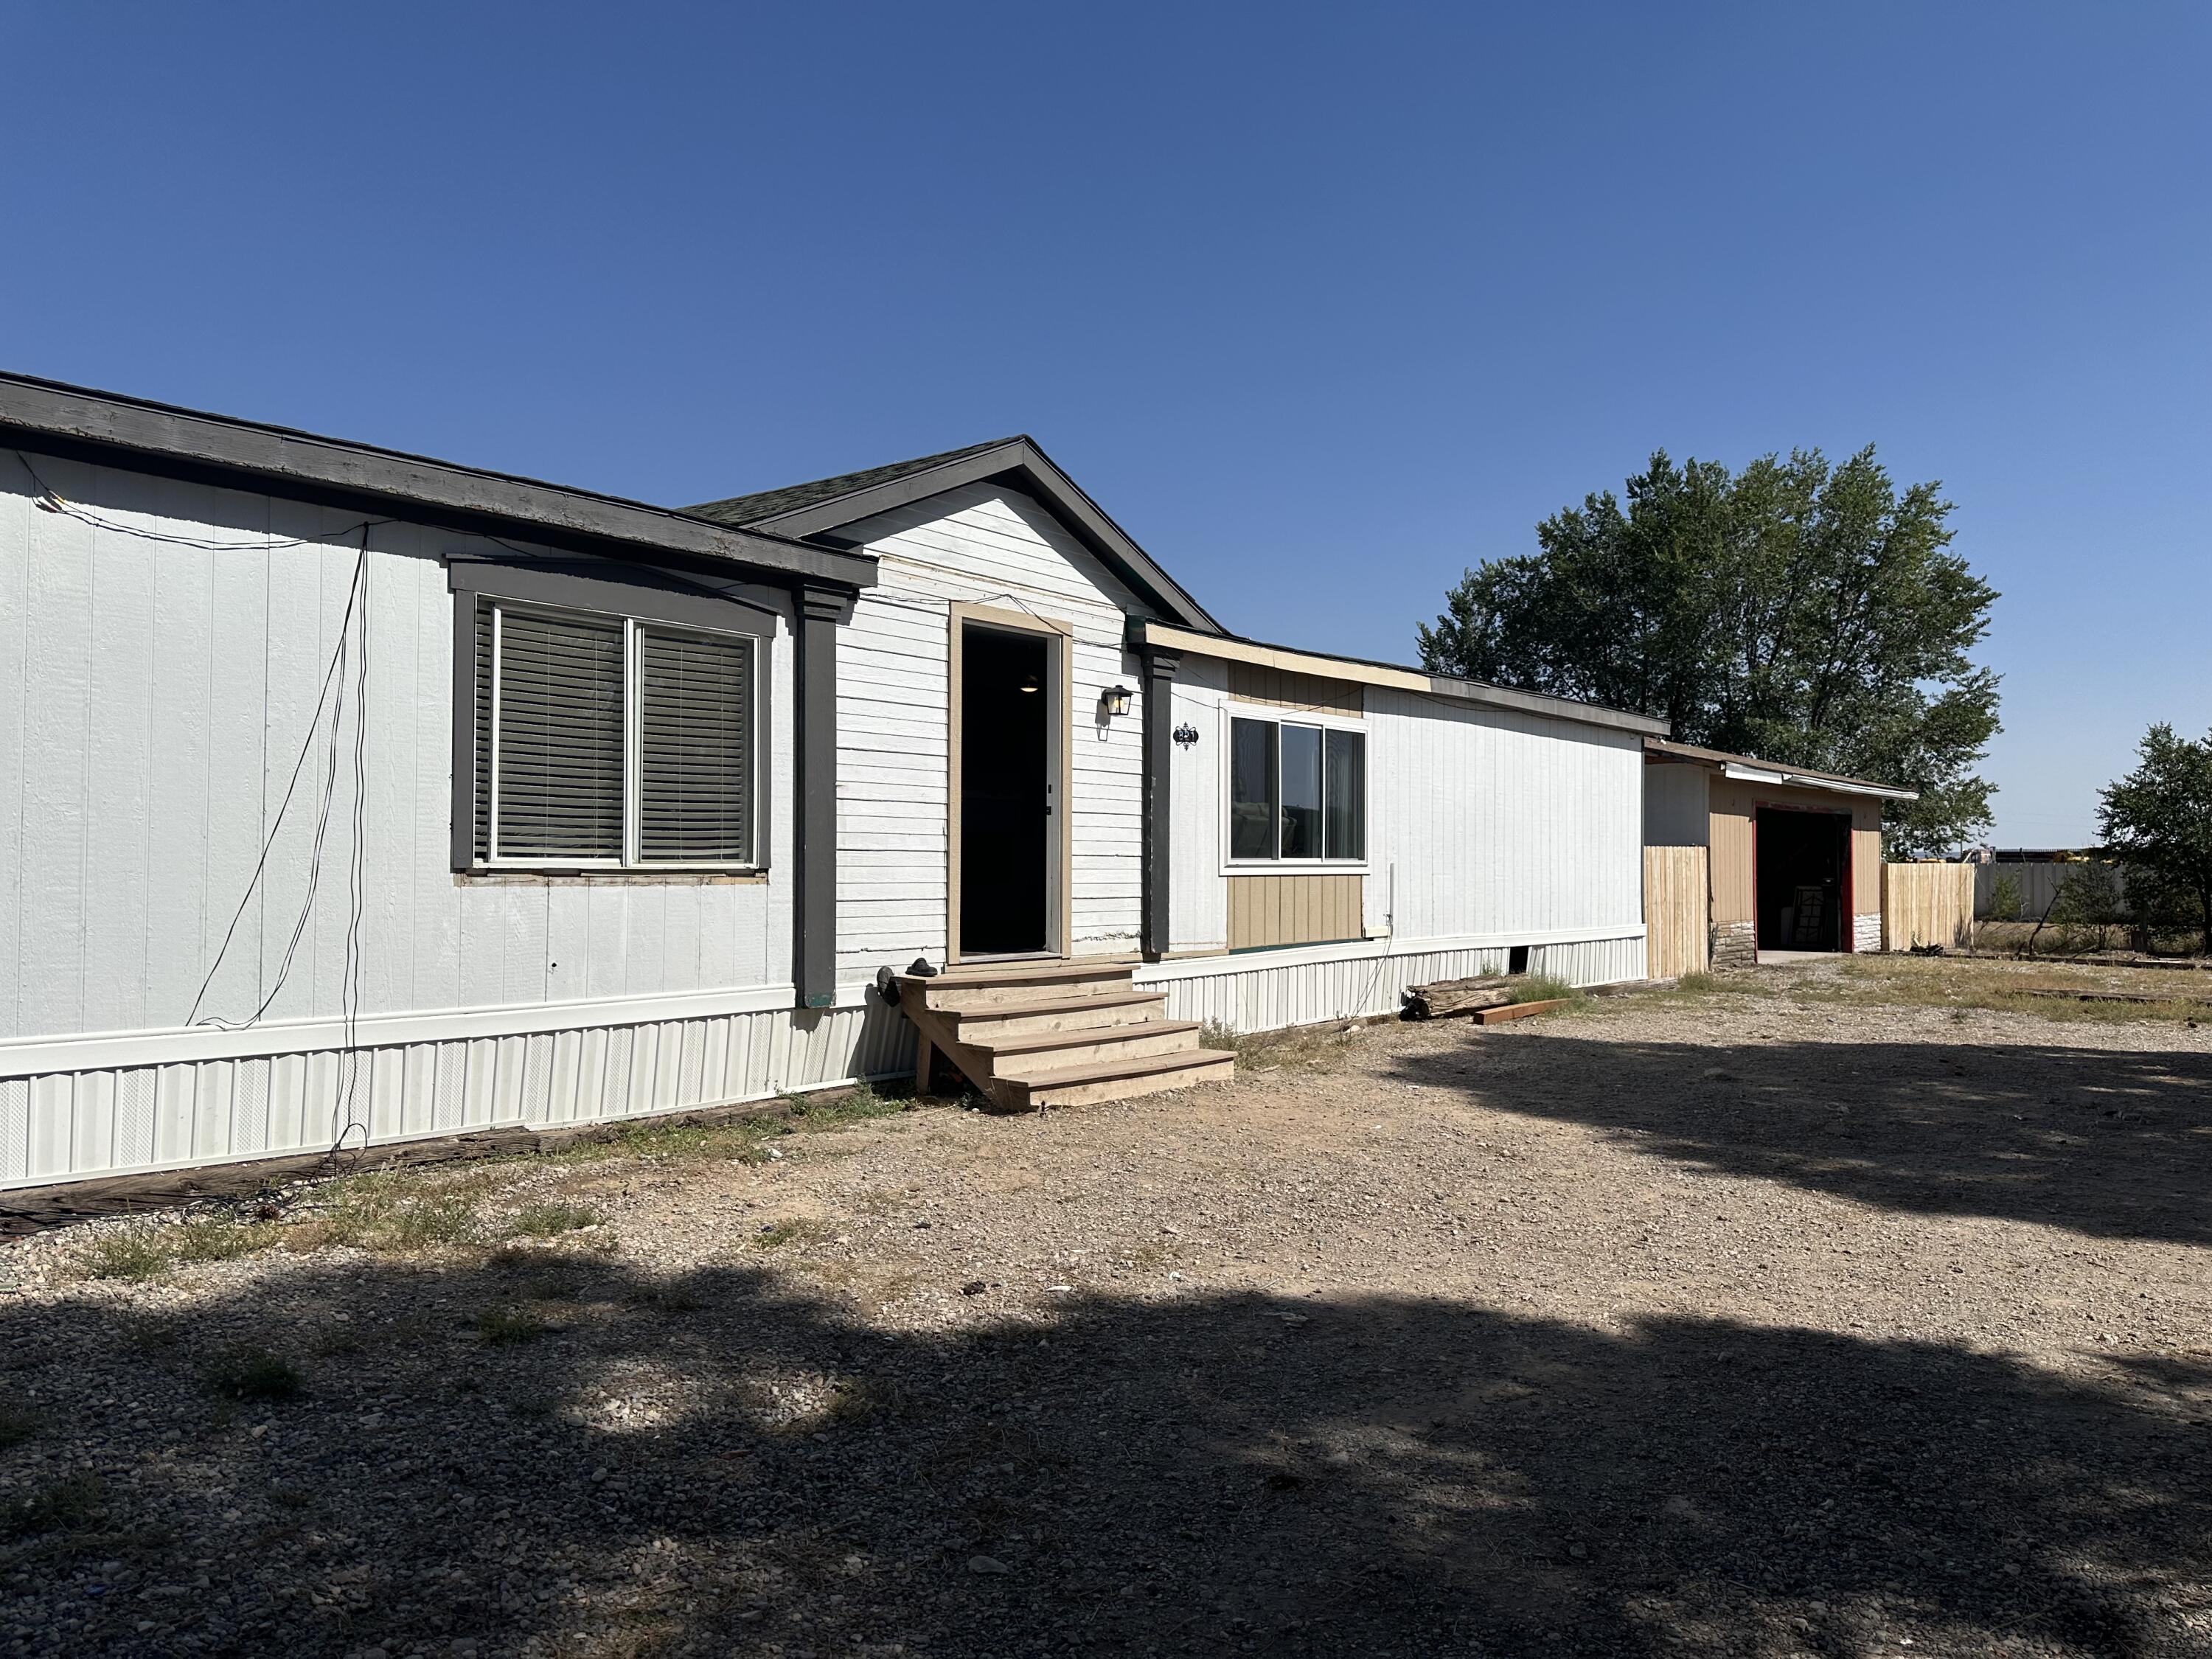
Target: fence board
1677	939
1927	904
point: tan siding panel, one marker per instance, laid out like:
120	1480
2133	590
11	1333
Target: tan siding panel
1927	904
1282	690
1268	910
1676	941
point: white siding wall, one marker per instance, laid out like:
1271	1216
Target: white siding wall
1483	825
159	700
152	701
1198	898
981	545
1503	824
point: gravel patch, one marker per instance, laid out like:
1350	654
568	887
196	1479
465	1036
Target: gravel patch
1723	1325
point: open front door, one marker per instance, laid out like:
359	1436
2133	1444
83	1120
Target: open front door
1008	788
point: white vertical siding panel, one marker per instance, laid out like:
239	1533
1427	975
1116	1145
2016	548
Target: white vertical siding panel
15	511
1197	897
57	676
49	1131
14	1129
119	669
237	710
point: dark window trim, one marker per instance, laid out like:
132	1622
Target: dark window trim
664	603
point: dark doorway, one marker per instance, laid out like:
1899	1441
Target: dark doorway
1006	707
1802	858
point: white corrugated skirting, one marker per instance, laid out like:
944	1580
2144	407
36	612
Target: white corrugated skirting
72	1125
1244	993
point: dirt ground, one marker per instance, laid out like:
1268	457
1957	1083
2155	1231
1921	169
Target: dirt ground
1778	1321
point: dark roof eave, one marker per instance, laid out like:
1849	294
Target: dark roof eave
53	417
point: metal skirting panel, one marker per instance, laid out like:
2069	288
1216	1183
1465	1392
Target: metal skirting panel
1250	996
70	1125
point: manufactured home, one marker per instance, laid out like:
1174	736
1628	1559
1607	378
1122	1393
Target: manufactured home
348	797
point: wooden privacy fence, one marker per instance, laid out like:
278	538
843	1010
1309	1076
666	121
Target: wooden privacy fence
1675	938
1927	904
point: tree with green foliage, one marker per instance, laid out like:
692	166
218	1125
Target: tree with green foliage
1806	612
2158	820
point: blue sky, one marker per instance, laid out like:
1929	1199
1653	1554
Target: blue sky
1323	304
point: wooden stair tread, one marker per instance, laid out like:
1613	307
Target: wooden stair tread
1111	1071
1027	973
1052	1006
1081	1036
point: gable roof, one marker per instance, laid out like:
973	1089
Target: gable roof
817	511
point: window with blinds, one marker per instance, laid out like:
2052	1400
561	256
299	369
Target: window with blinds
695	748
605	741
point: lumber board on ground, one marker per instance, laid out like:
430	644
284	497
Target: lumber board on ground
1519	1011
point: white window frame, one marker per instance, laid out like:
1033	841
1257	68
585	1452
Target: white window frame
631	862
1276	715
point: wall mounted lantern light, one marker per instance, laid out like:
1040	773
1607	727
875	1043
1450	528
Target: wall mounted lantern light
1115	699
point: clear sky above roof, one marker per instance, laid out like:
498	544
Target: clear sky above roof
1322	303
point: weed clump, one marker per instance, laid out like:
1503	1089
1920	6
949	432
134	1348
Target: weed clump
502	1326
251	1373
543	1220
131	1257
71	1504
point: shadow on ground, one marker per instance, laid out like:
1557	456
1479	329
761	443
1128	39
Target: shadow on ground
2111	1143
725	1465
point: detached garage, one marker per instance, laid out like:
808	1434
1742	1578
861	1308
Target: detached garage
1793	857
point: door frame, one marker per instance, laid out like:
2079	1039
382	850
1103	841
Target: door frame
1846	916
1059	725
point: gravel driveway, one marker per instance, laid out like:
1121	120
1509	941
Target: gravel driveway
1732	1326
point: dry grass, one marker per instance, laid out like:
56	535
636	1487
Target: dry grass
774	1235
1962	983
1299	1049
502	1326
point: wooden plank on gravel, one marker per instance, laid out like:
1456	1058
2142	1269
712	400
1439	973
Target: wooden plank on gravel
1520	1010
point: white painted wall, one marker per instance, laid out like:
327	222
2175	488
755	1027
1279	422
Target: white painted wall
1482	823
980	544
156	697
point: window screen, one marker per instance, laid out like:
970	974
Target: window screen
695	748
557	754
1301	791
1346	792
1252	798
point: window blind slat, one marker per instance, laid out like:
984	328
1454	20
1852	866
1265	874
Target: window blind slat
695	753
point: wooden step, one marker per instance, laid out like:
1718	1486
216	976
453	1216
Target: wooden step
978	986
1020	1057
989	1024
1094	1081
